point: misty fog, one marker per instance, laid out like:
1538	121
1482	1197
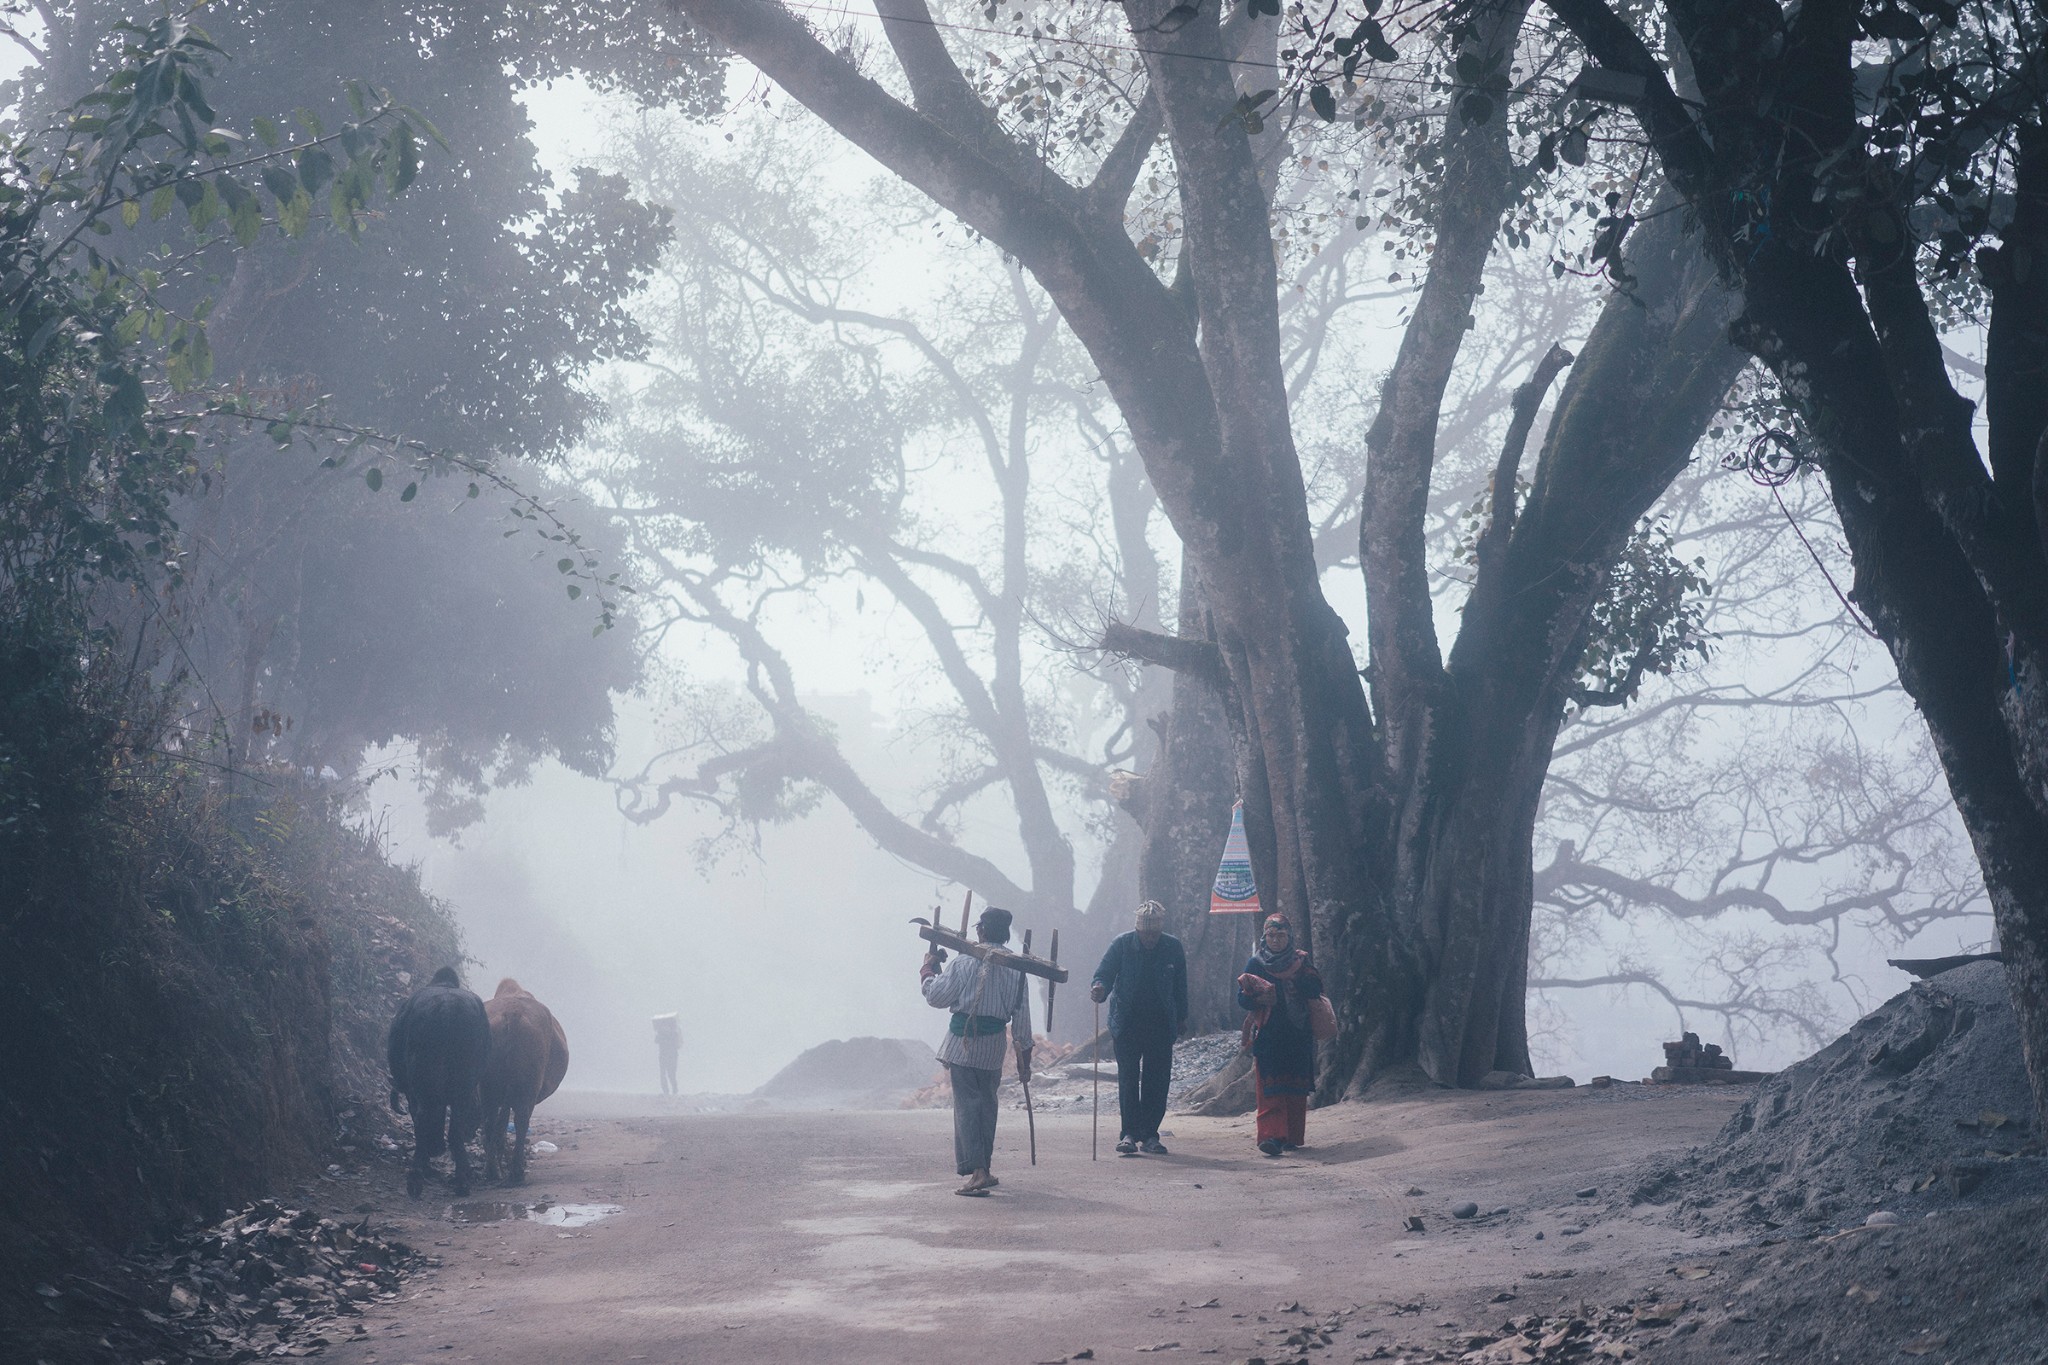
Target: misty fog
768	939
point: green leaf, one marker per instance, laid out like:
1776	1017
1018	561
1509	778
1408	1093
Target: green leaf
1323	102
315	169
412	490
474	490
128	330
247	221
160	202
564	565
42	337
374	477
131	213
408	166
295	214
574	592
126	402
207	209
267	131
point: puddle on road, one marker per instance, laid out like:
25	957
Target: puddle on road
554	1215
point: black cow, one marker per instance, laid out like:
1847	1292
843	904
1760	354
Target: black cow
440	1042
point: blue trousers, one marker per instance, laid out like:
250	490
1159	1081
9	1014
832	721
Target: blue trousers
1144	1069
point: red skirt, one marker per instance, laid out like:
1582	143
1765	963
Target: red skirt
1281	1116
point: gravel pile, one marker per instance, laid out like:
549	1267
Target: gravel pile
1198	1058
1921	1106
853	1073
266	1281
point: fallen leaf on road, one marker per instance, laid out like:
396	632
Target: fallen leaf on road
1657	1314
1210	1303
1859	1294
1927	1343
1693	1272
1162	1346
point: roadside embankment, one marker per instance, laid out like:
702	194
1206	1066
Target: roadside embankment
196	966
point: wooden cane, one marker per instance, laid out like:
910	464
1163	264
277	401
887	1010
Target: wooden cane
1023	1071
1095	1123
1051	986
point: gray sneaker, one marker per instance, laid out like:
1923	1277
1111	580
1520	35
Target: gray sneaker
1153	1147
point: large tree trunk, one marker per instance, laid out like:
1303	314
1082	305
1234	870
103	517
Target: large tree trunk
1184	805
1651	376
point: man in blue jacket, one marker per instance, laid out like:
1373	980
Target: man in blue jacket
1144	976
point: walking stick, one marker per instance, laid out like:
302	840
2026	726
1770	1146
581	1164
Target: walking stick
1023	1070
1095	1123
1030	1119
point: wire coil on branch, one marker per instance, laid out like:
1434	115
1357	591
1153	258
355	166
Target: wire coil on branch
1771	458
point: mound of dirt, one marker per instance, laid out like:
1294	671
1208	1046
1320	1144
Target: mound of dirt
858	1072
1921	1106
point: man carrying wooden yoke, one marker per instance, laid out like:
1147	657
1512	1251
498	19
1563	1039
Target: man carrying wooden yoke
985	1000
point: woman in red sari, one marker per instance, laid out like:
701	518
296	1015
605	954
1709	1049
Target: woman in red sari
1277	984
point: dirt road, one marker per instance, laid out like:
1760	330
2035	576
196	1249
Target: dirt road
766	1237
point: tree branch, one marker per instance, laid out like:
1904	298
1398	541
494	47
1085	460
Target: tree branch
1194	658
1528	399
1568	870
1478	185
1109	193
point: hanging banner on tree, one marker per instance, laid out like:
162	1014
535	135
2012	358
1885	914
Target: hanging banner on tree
1236	892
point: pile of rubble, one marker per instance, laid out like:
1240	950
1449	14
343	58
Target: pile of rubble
1687	1060
271	1281
1589	1335
1921	1106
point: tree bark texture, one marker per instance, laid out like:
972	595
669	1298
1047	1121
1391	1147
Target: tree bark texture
1394	830
1183	804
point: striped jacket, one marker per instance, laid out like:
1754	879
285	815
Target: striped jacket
958	987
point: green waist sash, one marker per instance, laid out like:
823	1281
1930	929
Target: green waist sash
976	1025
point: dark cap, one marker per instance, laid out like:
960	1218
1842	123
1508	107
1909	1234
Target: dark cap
994	924
446	977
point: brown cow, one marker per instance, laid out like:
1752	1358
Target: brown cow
529	1057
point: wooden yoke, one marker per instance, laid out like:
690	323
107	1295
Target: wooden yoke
988	952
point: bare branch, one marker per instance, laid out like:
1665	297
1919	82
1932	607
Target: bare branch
1194	658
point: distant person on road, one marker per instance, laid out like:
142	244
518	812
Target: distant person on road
668	1038
1277	985
984	1001
1144	976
